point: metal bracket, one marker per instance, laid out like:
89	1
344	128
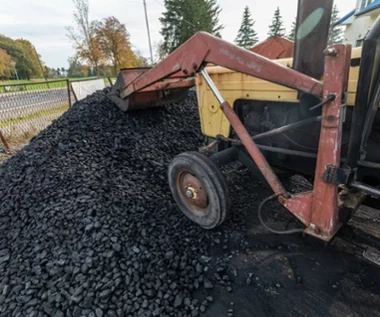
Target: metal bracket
372	255
337	175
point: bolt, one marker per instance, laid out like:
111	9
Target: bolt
185	71
177	68
330	118
195	66
330	52
314	228
189	193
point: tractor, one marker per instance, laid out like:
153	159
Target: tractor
315	114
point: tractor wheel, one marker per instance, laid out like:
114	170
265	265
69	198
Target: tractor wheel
199	189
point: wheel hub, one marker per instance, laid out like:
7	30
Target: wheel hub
192	189
190	192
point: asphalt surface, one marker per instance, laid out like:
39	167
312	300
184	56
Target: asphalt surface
13	104
292	275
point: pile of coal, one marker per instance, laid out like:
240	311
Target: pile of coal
87	223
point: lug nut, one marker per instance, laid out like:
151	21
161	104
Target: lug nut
189	193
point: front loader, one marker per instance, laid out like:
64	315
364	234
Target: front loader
314	115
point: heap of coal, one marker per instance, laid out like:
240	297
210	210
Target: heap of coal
88	225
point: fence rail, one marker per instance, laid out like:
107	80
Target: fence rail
28	108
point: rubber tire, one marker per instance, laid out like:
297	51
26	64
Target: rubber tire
213	180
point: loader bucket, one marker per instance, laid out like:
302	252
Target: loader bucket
169	90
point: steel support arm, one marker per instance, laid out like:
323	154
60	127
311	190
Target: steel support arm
204	48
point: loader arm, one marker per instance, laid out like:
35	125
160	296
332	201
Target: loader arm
204	48
318	209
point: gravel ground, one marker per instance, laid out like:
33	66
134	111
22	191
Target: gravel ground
88	228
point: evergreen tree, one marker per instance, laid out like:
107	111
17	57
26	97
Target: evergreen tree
292	35
276	29
335	32
247	36
183	18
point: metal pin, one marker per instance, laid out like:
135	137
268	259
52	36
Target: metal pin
212	86
330	98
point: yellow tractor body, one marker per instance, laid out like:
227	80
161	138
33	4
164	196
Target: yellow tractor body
237	86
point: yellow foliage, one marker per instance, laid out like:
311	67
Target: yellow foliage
114	42
5	64
128	58
31	53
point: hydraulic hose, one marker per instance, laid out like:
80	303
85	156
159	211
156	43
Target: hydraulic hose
292	231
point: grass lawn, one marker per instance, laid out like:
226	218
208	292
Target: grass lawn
40	80
40	83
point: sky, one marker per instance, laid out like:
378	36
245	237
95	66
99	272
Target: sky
43	22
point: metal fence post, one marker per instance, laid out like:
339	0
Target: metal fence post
4	141
28	108
68	91
75	95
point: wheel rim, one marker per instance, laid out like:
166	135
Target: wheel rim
192	193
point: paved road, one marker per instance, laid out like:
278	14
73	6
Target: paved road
24	102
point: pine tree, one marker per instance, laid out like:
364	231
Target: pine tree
247	36
276	29
292	35
335	32
183	18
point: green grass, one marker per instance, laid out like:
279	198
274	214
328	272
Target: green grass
34	115
38	80
33	86
36	84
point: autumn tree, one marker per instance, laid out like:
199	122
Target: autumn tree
292	34
33	57
247	36
276	29
182	19
76	68
114	41
84	36
49	72
24	62
335	32
5	64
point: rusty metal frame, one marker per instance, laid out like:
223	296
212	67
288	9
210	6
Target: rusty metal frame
172	88
253	150
204	48
317	209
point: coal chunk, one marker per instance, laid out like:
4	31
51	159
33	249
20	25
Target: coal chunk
89	227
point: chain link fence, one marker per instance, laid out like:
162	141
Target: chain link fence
26	109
